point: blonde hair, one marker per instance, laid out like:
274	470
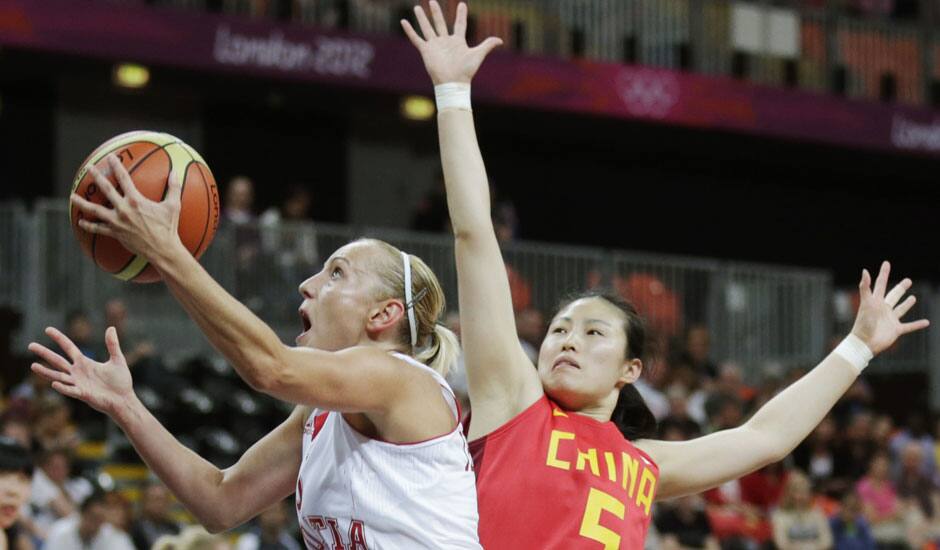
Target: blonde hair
796	480
436	346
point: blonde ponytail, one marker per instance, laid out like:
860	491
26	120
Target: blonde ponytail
442	350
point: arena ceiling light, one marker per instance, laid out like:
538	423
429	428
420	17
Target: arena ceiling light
416	107
131	75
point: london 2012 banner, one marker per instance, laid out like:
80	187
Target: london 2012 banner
227	44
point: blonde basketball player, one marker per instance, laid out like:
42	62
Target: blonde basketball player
566	445
374	451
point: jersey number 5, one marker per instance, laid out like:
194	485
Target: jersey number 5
591	528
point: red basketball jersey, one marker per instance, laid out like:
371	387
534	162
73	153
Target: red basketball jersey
550	479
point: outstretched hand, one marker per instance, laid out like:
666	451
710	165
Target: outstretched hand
446	56
878	322
105	386
143	226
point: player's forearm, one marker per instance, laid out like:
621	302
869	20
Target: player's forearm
784	421
468	192
246	341
194	481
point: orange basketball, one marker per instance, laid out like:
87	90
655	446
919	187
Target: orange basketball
150	158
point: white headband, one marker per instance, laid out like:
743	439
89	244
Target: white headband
409	305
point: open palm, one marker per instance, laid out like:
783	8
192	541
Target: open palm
446	56
104	386
878	322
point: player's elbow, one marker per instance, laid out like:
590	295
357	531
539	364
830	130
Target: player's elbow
770	450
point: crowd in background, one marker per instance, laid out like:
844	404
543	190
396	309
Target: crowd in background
861	480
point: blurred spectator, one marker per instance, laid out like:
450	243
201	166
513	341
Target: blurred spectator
289	240
682	523
912	483
697	352
288	231
16	467
658	303
431	213
32	389
858	399
764	488
79	329
239	201
734	521
655	400
88	530
14	364
17	428
530	326
796	523
724	411
155	520
678	417
52	424
855	449
881	505
815	455
119	512
240	220
915	431
54	494
270	533
730	381
505	224
882	431
850	530
138	346
505	218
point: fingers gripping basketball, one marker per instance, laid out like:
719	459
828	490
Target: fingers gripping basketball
153	160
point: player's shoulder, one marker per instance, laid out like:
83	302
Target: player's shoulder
393	363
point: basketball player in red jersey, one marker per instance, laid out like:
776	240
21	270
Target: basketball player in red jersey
374	451
562	452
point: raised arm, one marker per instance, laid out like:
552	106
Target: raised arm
784	421
298	375
501	380
219	499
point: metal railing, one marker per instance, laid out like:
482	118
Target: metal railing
867	57
757	314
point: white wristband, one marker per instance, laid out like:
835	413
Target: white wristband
452	95
853	350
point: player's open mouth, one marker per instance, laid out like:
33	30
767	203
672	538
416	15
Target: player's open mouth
306	322
565	362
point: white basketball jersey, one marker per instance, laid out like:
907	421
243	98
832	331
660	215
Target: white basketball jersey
358	493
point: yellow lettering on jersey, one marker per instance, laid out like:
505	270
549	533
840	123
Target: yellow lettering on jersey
630	470
559	412
553	460
591	528
611	466
591	458
644	496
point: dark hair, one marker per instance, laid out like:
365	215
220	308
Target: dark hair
98	496
631	414
14	458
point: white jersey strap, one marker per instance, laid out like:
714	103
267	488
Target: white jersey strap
445	387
